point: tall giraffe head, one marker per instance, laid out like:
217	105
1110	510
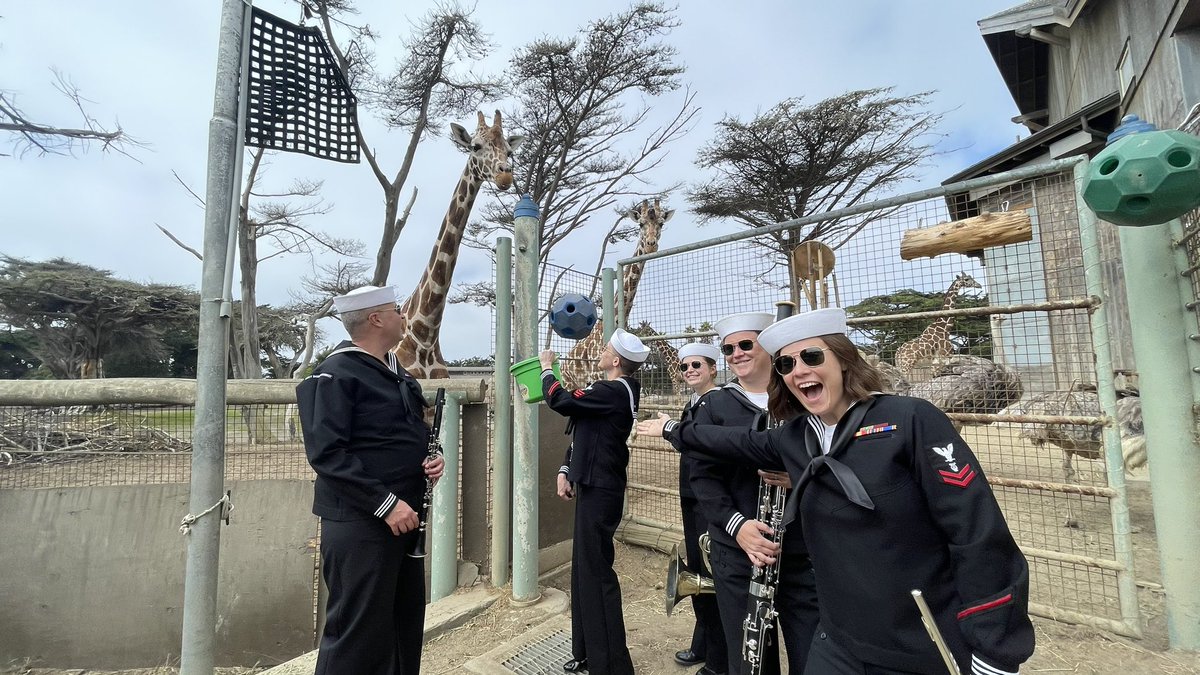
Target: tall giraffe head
490	151
650	217
962	281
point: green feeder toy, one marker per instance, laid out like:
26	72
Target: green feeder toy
1145	176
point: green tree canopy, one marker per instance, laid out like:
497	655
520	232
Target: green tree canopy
969	334
77	314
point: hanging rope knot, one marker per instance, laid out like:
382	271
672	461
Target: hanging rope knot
185	525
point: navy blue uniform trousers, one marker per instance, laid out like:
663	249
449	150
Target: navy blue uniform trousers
375	620
708	637
597	625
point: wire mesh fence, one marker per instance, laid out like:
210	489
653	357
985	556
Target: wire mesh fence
72	446
998	336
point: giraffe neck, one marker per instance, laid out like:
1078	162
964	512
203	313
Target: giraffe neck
633	274
940	328
423	310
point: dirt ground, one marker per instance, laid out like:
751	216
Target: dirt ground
653	637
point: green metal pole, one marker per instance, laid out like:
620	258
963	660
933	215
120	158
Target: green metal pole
1160	335
1106	390
527	231
198	640
443	572
608	314
503	420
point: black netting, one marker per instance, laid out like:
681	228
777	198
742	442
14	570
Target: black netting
298	100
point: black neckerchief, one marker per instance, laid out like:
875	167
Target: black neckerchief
851	486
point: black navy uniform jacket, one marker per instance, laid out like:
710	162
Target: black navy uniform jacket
365	436
602	416
727	490
933	524
686	461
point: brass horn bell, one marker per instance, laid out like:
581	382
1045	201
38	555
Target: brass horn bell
682	583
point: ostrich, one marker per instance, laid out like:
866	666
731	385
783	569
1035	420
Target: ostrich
970	384
1085	441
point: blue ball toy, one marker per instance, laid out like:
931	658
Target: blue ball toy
573	316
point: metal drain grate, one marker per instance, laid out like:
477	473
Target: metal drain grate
544	656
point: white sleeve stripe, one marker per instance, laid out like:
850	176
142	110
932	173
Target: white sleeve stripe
734	523
387	505
979	667
670	425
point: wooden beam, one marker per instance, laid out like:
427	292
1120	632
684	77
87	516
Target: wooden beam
969	234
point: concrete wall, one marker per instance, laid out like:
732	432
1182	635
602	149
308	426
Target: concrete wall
92	577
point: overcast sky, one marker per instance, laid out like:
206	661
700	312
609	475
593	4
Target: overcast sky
150	65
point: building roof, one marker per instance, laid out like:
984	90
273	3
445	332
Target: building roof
1034	12
1096	119
1023	62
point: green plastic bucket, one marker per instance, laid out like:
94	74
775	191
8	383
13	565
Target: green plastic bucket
528	374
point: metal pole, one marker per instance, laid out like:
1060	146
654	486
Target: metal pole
235	211
208	438
608	313
443	572
1160	335
1105	389
527	231
503	420
1053	167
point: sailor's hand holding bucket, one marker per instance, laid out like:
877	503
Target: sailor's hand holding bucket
547	357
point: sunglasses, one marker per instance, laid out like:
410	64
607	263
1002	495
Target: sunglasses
811	356
744	345
683	367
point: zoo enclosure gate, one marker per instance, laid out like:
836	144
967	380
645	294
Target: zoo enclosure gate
1032	379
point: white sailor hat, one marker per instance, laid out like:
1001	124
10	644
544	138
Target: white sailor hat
628	345
364	297
708	351
829	321
736	323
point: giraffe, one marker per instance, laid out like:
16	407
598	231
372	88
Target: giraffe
579	366
934	341
489	154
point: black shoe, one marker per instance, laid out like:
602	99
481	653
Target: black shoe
575	666
688	657
707	671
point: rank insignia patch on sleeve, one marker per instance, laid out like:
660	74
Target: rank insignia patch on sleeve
958	479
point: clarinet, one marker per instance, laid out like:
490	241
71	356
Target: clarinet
759	624
434	451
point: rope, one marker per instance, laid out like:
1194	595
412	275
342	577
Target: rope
185	525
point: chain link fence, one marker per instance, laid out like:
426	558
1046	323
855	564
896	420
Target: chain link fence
998	336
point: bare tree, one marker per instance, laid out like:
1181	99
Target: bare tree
272	223
584	151
327	282
420	95
43	139
795	160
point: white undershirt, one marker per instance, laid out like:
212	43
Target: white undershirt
758	399
824	433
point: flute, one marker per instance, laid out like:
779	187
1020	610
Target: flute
434	451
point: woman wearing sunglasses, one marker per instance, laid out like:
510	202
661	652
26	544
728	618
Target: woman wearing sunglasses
727	492
698	363
891	499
